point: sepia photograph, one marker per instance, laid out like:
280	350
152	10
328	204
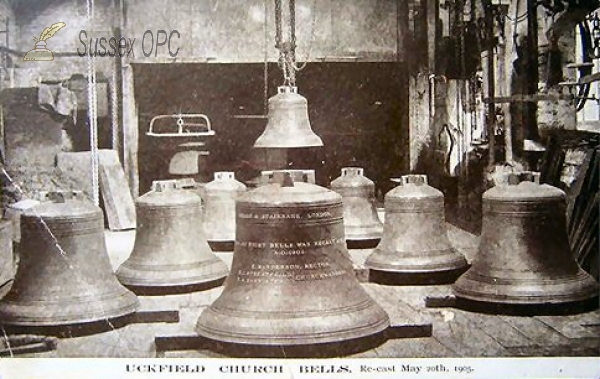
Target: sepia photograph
299	188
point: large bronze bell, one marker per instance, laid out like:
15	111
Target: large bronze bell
414	233
288	124
170	248
524	255
361	223
219	210
64	274
292	281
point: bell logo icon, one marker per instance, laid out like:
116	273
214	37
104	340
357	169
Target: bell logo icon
40	52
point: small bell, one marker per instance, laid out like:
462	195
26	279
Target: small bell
170	253
288	125
362	225
219	211
414	238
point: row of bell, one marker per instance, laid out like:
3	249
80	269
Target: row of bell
64	274
290	248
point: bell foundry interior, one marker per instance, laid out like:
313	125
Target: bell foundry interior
299	178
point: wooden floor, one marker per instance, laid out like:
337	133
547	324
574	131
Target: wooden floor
454	332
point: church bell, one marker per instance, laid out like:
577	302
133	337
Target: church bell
64	274
288	124
170	248
524	256
219	210
362	225
292	281
414	233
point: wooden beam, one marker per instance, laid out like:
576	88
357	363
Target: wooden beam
432	9
130	131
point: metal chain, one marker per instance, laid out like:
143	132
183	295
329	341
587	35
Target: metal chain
292	5
313	25
287	49
278	26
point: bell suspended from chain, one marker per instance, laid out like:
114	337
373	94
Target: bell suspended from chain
64	274
362	225
170	248
414	236
288	124
219	210
292	281
524	256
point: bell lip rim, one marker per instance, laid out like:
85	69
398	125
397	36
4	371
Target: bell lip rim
532	300
269	340
131	306
263	145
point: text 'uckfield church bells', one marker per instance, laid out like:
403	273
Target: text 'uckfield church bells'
292	281
414	233
170	248
524	256
288	124
64	274
361	223
219	210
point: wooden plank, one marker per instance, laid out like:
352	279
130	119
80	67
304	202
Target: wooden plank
588	347
577	185
411	348
400	312
574	326
417	295
453	330
568	326
130	130
118	202
147	317
504	333
536	330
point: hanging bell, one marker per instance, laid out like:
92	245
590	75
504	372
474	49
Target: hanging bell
64	274
292	281
219	210
414	233
170	248
524	256
288	124
361	223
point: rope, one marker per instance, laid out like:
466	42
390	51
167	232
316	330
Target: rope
93	115
266	62
114	107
